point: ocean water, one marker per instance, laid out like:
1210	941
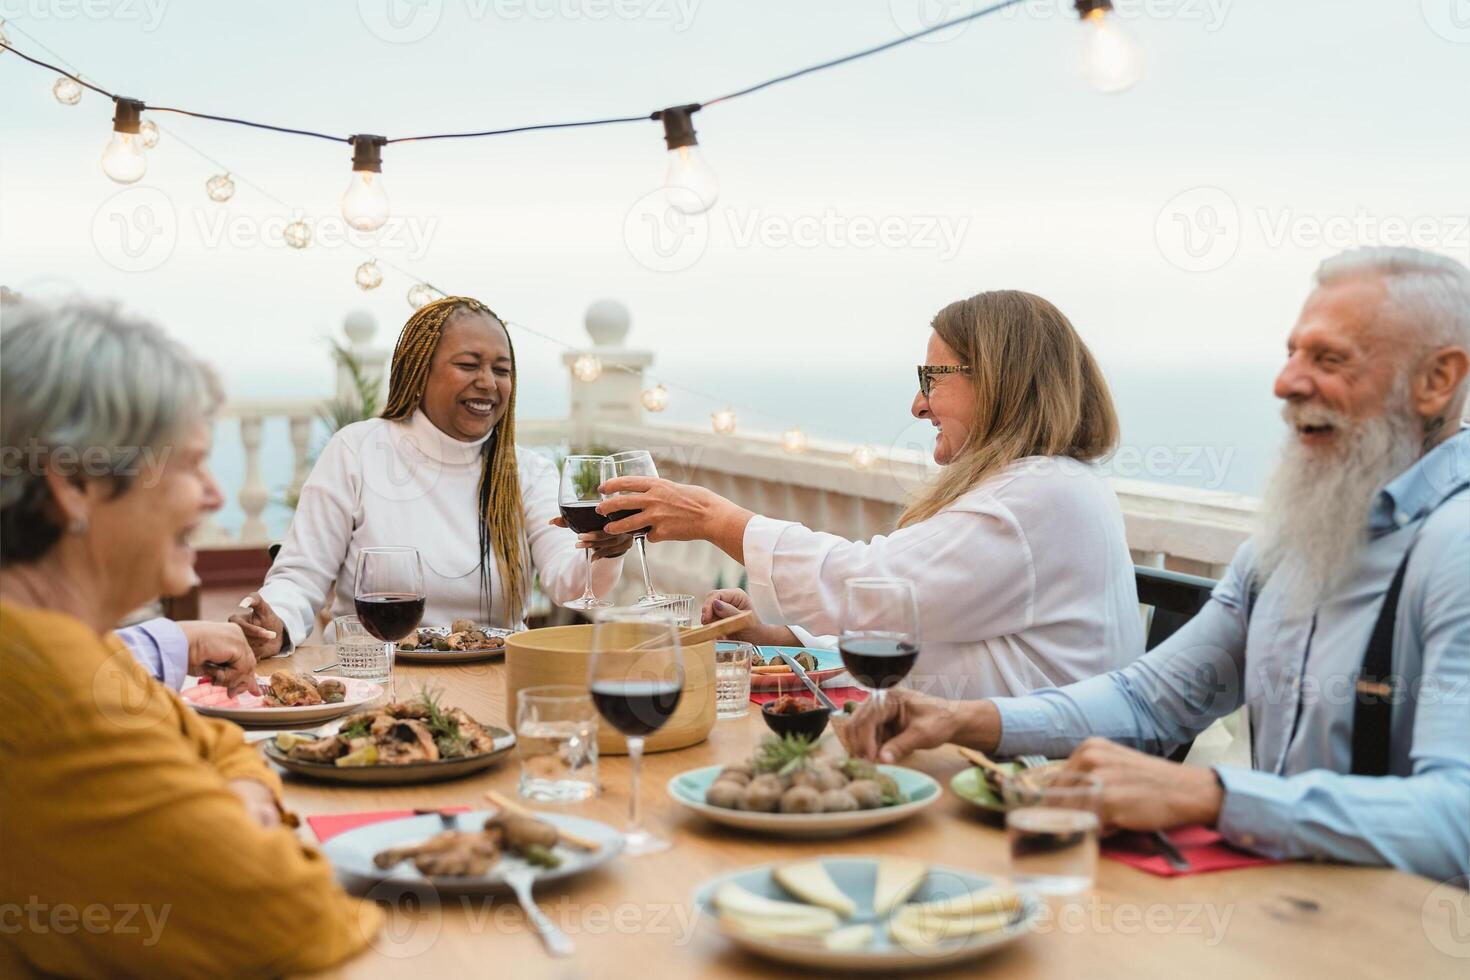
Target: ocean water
1215	429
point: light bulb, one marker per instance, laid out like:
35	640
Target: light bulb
421	294
297	234
690	185
723	421
220	187
586	368
148	131
793	441
67	91
368	275
863	457
365	204
4	38
1109	56
123	160
656	399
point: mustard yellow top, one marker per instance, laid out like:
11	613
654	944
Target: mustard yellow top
122	850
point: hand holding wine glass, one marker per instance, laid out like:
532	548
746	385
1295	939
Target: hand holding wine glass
880	632
579	497
636	676
634	463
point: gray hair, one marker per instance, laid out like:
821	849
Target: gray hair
91	392
1428	291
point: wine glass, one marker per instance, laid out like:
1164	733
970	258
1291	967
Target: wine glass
880	632
634	463
390	593
636	675
580	478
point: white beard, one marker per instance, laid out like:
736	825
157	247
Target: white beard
1313	521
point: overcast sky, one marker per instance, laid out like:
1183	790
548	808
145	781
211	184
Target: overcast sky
1177	223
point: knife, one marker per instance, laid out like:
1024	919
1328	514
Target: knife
1170	853
811	685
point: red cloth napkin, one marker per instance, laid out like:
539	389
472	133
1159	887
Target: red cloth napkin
329	825
839	695
1202	847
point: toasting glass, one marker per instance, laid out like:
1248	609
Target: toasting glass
634	463
580	478
390	592
636	675
880	632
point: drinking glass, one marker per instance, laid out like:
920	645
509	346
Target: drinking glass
634	463
681	607
580	478
880	632
390	593
556	736
1052	824
732	678
359	654
636	676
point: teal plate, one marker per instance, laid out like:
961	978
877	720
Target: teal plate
829	664
688	789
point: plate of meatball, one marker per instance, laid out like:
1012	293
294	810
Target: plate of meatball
789	788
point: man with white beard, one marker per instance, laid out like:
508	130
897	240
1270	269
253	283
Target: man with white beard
1344	623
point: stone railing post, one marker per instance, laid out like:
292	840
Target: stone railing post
253	493
360	328
612	391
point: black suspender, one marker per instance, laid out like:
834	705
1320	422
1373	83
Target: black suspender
1373	706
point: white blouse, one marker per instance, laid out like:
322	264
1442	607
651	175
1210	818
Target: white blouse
380	483
1024	582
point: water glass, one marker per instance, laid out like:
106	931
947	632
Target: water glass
556	737
732	678
359	653
681	607
1053	826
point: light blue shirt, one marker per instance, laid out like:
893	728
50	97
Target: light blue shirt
161	647
1298	676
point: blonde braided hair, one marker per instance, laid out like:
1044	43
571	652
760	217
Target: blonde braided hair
503	523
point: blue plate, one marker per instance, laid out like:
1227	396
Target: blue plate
688	789
855	877
829	664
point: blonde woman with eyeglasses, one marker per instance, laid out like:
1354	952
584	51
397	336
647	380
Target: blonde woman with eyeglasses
1016	550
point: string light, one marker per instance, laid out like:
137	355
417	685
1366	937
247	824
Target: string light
297	234
369	276
587	368
656	399
690	185
793	441
724	421
1109	57
365	204
67	91
123	160
421	294
863	457
148	133
220	187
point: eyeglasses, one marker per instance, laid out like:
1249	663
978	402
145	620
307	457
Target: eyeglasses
928	371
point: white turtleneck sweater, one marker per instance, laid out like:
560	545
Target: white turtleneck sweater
380	483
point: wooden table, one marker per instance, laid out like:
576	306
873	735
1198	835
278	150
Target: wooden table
633	918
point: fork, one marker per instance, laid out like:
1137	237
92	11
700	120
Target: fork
1032	761
555	941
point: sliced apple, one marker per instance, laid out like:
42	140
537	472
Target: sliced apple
898	878
810	882
849	939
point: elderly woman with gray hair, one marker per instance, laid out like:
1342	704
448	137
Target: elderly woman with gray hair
109	786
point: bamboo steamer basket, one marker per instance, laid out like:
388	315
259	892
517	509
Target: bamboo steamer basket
560	655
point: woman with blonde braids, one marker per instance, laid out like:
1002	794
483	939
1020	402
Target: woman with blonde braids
438	471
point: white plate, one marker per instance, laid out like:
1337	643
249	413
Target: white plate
688	789
351	853
855	877
359	694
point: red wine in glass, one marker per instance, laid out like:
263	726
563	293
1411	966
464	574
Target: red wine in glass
623	515
636	708
878	663
584	518
390	616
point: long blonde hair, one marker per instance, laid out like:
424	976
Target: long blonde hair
1038	392
503	520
